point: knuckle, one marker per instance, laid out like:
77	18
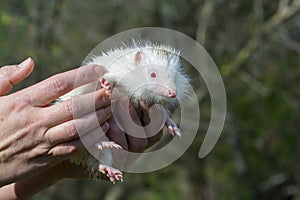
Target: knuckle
4	75
5	70
68	108
70	130
91	73
21	101
77	106
88	76
59	85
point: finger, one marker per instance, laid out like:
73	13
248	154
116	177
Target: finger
155	138
50	89
95	135
72	129
75	107
128	118
135	144
116	134
146	119
68	148
13	74
145	112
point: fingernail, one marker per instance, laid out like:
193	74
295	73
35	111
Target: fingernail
98	69
25	63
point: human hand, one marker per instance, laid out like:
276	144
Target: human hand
122	135
36	135
130	129
51	165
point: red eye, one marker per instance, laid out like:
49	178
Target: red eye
153	75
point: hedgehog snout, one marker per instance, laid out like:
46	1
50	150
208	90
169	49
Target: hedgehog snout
172	93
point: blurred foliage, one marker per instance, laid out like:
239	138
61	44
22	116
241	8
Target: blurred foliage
257	156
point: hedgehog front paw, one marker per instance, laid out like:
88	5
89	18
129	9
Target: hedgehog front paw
172	127
112	173
106	85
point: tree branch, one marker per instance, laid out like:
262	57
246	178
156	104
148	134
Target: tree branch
284	12
288	41
205	14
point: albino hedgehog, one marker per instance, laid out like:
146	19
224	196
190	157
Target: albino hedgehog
160	81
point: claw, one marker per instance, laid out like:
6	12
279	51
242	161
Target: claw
112	173
107	144
172	128
174	131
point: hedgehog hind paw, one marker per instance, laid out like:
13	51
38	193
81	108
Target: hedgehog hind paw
112	173
107	85
172	128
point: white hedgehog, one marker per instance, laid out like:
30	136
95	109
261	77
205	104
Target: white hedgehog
147	72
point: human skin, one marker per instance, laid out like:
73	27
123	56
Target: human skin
34	134
37	138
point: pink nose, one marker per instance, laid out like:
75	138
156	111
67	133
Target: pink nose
172	93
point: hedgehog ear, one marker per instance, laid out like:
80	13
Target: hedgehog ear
139	57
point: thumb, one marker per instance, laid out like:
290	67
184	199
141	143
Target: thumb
13	74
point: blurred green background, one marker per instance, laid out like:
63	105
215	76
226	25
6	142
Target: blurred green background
256	46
